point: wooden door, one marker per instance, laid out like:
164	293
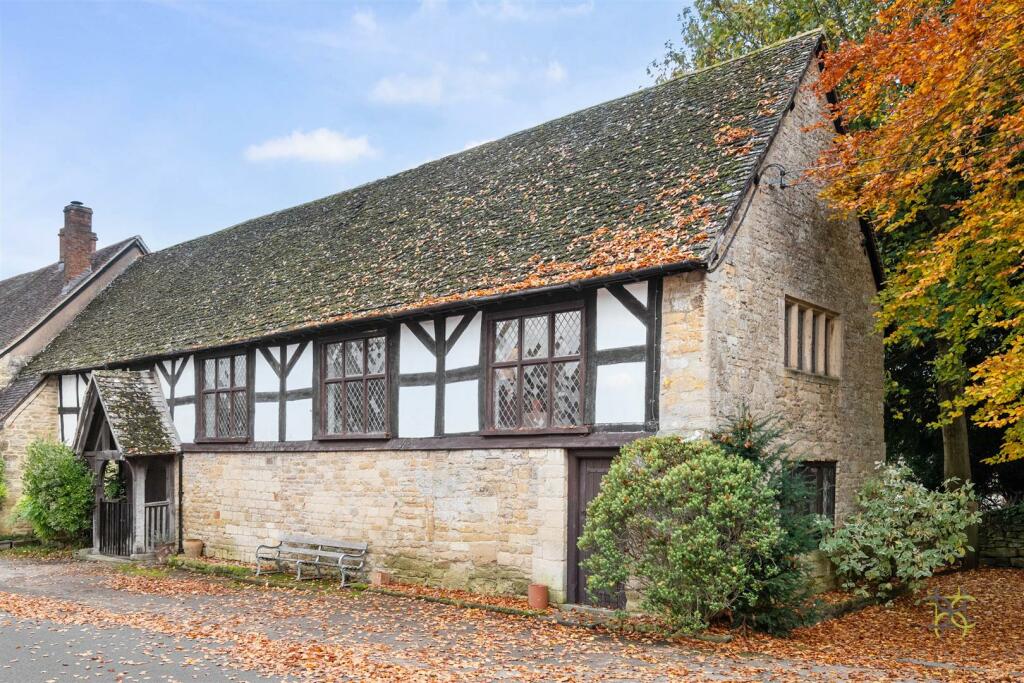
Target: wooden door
587	469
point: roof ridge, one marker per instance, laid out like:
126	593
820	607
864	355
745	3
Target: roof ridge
764	48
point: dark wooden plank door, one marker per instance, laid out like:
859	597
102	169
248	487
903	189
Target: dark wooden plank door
588	470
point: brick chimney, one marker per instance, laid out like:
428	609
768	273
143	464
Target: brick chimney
77	240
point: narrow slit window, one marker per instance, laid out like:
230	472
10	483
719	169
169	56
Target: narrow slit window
811	339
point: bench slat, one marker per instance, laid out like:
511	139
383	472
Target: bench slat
333	543
327	554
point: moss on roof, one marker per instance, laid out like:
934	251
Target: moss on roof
136	412
646	180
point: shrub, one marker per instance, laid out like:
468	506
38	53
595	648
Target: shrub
901	533
684	521
782	578
57	492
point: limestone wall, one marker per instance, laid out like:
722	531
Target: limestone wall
1001	538
722	337
489	520
791	243
35	418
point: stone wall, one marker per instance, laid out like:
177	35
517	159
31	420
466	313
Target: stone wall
35	418
1001	538
489	520
723	333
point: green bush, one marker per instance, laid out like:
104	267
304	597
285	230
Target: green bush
57	492
901	533
686	523
782	577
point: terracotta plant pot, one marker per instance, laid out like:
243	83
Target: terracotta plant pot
193	548
537	596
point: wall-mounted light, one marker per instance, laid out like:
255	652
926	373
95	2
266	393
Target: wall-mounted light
776	179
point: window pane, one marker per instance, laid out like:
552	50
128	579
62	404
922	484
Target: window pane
535	337
223	411
239	414
376	405
223	372
568	333
567	395
354	407
354	358
209	418
506	340
505	398
240	371
333	361
333	407
535	396
375	356
209	373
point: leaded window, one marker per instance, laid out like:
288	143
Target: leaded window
224	398
821	483
535	371
354	396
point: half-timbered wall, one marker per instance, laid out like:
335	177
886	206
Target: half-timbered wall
438	369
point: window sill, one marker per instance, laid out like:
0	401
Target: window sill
208	440
813	376
535	432
353	437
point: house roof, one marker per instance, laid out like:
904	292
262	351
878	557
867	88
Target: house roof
136	412
15	392
27	298
646	181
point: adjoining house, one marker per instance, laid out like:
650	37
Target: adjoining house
34	308
443	362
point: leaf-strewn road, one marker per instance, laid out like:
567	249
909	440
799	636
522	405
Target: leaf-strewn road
77	621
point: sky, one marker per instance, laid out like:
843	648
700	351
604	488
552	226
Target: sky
176	119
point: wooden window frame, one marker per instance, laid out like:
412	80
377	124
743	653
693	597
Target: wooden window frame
490	319
199	369
819	468
811	339
321	382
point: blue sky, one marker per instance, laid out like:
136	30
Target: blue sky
176	119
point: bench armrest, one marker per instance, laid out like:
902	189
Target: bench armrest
262	547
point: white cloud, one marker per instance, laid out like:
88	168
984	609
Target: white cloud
365	21
404	89
323	145
555	72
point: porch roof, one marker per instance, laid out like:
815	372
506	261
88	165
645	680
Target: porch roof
136	412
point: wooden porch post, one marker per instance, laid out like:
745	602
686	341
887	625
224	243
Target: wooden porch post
138	467
171	477
97	467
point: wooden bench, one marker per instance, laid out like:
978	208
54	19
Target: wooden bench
345	556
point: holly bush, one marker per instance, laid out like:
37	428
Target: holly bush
683	522
901	533
57	492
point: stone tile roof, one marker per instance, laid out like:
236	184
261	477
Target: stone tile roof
648	180
136	412
14	393
26	298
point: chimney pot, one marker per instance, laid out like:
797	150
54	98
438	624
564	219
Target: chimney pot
77	240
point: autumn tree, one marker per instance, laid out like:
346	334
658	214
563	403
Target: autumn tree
715	30
935	156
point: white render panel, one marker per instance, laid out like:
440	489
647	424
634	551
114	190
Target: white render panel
299	418
301	376
416	410
639	290
68	391
83	384
461	407
413	355
266	378
185	422
265	426
616	326
620	394
70	424
466	351
186	385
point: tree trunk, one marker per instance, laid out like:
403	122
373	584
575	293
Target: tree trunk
956	460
